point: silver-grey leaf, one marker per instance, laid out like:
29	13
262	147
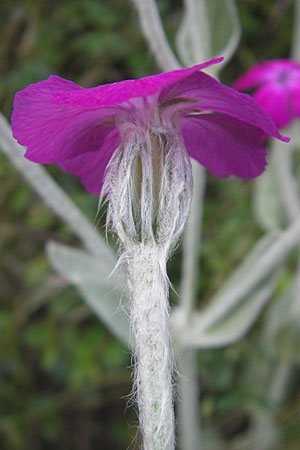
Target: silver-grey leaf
92	277
209	28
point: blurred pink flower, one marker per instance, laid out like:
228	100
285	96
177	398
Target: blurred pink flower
80	129
278	88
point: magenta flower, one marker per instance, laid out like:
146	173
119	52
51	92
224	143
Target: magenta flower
80	129
278	88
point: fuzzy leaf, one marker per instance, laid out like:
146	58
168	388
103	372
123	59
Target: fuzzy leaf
249	261
283	327
91	276
209	28
228	329
225	321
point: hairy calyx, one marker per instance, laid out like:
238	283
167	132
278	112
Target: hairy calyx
148	187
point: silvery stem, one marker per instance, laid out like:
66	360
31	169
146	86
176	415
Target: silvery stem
265	431
190	436
148	294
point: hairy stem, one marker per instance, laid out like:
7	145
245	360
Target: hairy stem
148	293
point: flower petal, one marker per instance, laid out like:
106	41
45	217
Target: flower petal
54	132
90	166
266	72
277	101
258	74
211	95
224	145
296	99
116	93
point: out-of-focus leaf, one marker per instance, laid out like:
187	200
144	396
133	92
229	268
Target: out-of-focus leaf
52	194
267	207
230	328
209	28
91	276
283	326
225	321
225	27
261	246
193	37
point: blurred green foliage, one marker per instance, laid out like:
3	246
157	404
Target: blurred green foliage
63	378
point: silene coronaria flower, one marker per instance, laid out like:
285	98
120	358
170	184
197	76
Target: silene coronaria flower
132	140
277	88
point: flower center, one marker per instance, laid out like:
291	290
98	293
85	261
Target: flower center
283	77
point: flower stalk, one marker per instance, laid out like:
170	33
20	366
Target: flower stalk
149	313
149	189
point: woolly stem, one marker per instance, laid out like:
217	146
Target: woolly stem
148	293
149	189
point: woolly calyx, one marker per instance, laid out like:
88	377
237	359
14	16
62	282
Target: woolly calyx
148	185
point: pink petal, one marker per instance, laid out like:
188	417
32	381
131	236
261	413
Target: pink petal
210	95
258	74
296	99
264	73
116	93
224	145
54	132
277	101
90	166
